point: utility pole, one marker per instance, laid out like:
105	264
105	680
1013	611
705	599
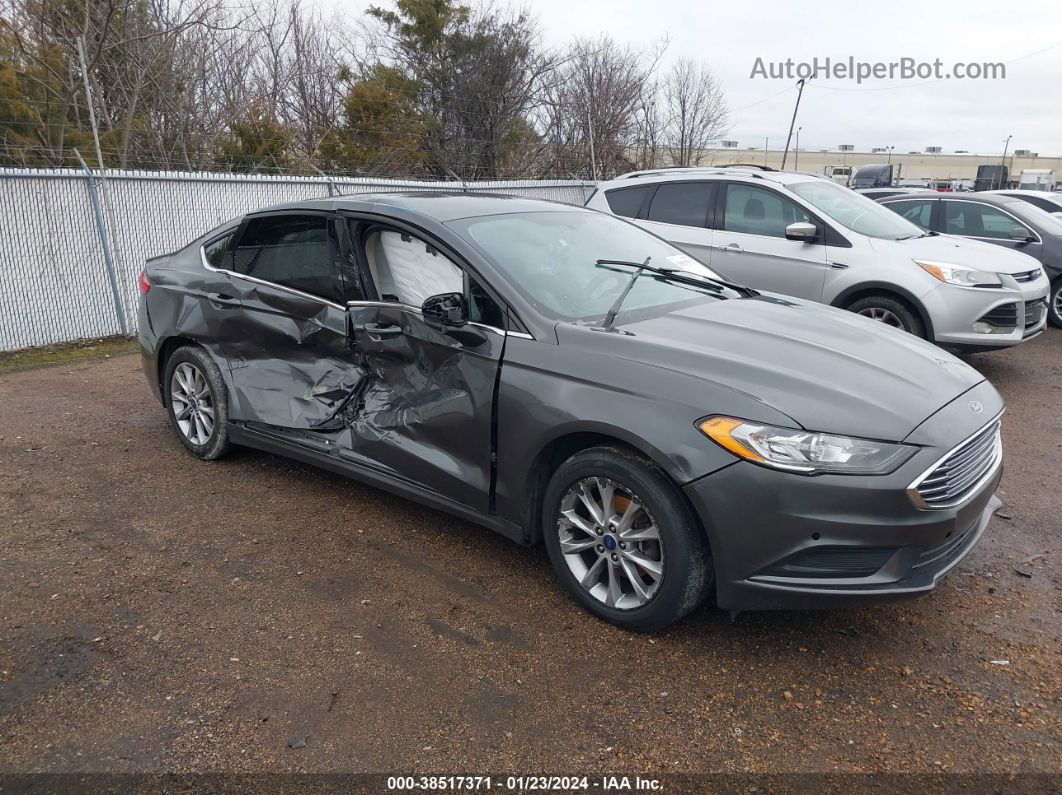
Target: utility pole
890	154
800	93
765	140
796	151
590	133
1003	163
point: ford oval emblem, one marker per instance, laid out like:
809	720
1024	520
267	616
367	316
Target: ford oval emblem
975	407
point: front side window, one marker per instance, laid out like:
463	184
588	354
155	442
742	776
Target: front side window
917	211
757	211
684	203
551	259
854	211
293	251
973	219
407	270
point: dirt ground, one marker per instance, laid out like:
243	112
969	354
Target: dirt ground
163	614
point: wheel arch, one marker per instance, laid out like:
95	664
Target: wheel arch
865	289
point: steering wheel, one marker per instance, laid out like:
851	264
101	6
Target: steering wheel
600	285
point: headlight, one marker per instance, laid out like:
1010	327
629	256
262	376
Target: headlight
955	274
807	452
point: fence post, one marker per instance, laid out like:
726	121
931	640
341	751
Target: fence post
101	228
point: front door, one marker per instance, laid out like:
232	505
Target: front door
425	411
751	247
282	323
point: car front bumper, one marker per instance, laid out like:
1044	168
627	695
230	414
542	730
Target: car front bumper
955	310
786	541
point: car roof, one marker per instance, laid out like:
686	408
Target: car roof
685	174
986	197
440	205
1020	192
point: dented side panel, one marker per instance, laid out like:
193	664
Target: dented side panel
425	408
288	356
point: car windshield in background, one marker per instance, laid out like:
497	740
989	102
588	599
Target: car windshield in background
854	211
1040	218
551	258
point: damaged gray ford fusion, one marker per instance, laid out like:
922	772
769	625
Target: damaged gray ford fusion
561	376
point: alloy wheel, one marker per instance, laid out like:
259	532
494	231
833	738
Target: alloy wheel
193	404
610	543
882	316
1056	304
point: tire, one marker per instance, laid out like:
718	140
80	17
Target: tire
891	311
190	366
1054	303
680	551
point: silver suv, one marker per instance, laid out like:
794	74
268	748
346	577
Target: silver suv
805	236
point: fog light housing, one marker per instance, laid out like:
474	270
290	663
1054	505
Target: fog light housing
980	327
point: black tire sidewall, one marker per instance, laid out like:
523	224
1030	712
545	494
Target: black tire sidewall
912	323
218	443
687	565
1052	301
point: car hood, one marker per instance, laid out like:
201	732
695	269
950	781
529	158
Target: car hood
974	254
828	369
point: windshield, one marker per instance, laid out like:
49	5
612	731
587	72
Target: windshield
551	259
854	211
1039	218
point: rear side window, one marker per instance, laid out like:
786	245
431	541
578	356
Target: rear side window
917	211
758	211
627	201
294	251
215	251
684	203
1043	204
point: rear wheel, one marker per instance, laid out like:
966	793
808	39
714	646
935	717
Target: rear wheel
1054	304
890	311
623	540
197	402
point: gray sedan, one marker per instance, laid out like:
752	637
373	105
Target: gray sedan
562	376
994	217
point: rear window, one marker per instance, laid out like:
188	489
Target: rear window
627	201
684	203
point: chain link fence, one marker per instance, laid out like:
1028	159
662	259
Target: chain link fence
71	244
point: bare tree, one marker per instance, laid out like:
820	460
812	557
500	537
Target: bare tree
694	111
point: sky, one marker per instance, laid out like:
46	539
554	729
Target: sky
975	115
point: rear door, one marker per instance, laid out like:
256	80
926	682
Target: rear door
751	247
425	412
679	212
283	325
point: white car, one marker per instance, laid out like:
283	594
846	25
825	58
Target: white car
806	236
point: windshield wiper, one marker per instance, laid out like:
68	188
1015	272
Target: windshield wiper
610	316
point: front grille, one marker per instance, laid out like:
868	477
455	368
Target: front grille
960	472
1004	316
1027	276
1034	312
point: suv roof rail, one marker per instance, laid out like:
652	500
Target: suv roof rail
666	170
755	166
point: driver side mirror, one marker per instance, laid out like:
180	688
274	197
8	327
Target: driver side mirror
445	309
801	231
1021	234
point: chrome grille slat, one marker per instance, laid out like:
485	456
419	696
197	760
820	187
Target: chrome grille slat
962	470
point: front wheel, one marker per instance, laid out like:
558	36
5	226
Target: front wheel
623	541
1054	304
890	311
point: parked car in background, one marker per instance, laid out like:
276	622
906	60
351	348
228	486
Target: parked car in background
1002	220
561	375
806	236
881	193
1049	202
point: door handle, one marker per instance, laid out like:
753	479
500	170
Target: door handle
379	331
838	266
223	299
734	247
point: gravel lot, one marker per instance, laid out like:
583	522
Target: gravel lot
162	614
